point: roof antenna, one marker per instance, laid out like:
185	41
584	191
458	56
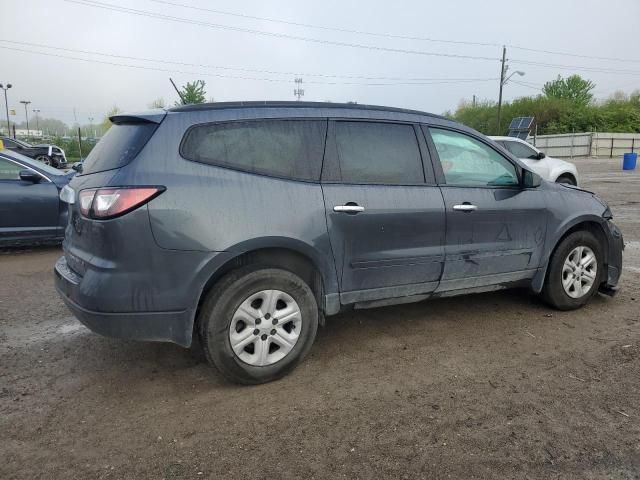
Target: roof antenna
177	91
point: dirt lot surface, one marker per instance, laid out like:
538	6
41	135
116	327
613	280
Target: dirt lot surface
484	386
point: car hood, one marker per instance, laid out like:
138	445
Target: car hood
588	195
561	186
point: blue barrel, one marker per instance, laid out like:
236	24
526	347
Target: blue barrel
629	161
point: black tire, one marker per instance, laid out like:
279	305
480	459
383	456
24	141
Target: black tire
224	299
553	292
45	159
566	179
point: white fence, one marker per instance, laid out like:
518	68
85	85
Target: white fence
588	144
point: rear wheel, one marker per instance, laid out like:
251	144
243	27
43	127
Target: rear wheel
258	323
574	272
567	180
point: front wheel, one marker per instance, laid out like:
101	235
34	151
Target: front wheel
258	323
44	159
574	272
567	180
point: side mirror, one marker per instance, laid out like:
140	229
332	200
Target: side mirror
77	167
30	176
541	155
530	179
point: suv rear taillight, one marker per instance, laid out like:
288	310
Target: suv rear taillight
105	203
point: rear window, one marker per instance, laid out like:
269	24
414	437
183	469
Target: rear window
282	148
118	146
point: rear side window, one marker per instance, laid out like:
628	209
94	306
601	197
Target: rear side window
386	153
118	146
282	148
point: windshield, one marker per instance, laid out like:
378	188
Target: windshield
21	142
29	162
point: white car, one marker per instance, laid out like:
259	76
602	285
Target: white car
549	168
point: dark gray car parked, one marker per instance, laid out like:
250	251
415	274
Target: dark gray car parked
242	225
30	208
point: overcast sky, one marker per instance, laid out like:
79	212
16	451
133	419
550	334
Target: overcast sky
57	85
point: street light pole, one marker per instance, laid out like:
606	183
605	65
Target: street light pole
26	113
6	104
37	111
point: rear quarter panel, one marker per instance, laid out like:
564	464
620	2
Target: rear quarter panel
214	209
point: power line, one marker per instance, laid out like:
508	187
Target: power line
146	13
150	14
576	67
577	55
382	34
324	27
526	84
434	81
221	67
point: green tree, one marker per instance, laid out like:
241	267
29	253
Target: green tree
106	123
556	114
192	92
574	88
158	103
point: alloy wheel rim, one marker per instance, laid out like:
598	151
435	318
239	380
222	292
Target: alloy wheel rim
265	327
579	272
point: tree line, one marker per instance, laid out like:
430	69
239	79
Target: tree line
565	105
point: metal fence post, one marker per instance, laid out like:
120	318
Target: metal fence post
573	137
612	139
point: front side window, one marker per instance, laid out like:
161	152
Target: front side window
521	150
283	148
386	153
468	162
9	170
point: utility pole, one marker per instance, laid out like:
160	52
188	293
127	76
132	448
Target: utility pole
503	72
473	102
37	111
298	92
6	105
26	113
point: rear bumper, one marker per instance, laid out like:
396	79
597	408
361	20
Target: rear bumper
162	326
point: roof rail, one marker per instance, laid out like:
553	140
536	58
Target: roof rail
292	104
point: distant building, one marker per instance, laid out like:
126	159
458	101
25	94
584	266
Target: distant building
22	133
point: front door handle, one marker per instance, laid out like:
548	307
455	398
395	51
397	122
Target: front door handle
465	207
351	208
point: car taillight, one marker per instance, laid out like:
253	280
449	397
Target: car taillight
105	203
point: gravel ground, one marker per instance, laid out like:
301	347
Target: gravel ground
484	386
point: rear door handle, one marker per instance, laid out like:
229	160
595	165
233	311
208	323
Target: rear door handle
348	208
465	207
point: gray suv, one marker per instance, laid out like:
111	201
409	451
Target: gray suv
241	226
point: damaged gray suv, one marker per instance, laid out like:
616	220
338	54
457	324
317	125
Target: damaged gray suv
241	226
